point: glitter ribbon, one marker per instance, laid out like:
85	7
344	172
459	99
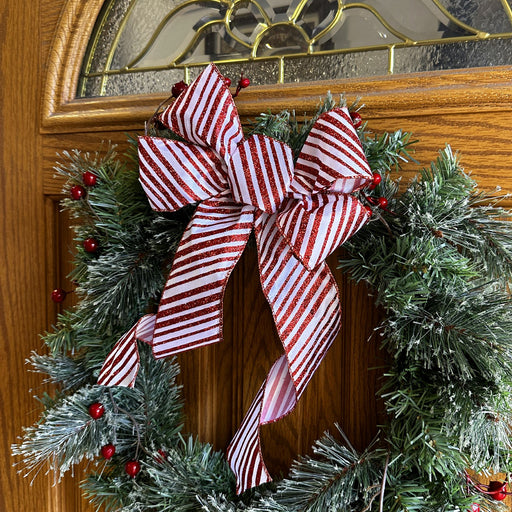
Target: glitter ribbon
300	212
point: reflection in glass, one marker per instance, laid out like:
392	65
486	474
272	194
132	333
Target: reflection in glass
161	39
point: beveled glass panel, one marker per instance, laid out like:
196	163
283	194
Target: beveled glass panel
487	15
282	40
495	52
178	33
361	27
317	16
418	20
341	65
212	44
139	26
172	39
247	21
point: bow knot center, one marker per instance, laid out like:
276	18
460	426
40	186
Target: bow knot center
259	172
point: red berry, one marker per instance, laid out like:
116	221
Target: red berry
178	88
497	490
58	295
357	120
108	451
77	192
377	178
96	410
91	244
161	456
132	467
89	179
475	508
244	82
227	81
383	202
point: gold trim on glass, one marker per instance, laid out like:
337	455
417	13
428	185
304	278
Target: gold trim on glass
508	9
93	44
113	48
442	8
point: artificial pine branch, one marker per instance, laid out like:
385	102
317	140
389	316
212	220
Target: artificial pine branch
336	475
70	373
150	417
447	324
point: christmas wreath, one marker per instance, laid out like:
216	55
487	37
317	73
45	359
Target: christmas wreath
436	254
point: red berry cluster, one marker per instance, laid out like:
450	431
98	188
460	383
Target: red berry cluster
357	120
497	490
89	179
77	192
382	201
108	451
243	83
90	244
132	467
377	178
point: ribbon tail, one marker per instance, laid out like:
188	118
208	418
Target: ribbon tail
276	398
190	310
122	364
306	309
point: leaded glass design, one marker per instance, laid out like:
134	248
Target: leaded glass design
143	46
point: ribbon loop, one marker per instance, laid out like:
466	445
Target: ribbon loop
205	114
332	158
174	174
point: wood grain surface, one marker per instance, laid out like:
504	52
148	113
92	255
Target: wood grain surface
41	47
23	276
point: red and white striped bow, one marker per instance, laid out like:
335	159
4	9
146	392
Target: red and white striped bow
300	213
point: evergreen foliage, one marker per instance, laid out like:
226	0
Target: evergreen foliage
438	262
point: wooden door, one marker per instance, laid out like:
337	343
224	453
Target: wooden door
41	47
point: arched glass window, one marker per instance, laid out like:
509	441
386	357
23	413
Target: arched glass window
147	45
